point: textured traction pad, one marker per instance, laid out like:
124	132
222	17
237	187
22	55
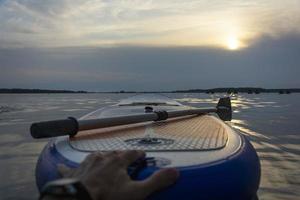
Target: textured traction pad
200	133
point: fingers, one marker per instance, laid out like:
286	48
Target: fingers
157	181
92	157
124	158
63	170
111	153
127	157
131	156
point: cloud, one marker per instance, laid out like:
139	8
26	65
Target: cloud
148	45
270	62
54	23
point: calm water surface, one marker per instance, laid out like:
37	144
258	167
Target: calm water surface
271	122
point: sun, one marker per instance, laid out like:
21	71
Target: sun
233	43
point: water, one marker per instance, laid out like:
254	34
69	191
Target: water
271	122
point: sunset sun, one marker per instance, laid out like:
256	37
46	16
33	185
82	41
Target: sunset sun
233	43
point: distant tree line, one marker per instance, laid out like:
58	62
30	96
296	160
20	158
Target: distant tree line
229	90
249	90
24	91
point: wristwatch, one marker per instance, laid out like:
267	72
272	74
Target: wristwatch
65	188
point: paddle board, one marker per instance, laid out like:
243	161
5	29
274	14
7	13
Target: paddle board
215	161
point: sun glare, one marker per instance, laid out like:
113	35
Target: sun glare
233	43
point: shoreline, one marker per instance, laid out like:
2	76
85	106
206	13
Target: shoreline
231	90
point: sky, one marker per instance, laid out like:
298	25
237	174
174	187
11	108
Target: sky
108	45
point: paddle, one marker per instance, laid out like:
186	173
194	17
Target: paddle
71	125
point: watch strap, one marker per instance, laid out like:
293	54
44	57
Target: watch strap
65	188
82	191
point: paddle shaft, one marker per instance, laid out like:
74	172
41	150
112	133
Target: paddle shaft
71	125
132	119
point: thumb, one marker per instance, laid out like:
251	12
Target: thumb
63	170
159	180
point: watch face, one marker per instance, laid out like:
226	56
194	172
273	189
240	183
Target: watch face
70	187
66	187
64	181
61	187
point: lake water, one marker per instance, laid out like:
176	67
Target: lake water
271	122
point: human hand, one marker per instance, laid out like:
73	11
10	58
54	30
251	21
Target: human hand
105	176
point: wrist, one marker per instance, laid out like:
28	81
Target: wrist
68	188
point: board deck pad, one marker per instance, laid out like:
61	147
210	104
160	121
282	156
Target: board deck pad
196	133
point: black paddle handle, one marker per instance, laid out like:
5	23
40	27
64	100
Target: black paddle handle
54	128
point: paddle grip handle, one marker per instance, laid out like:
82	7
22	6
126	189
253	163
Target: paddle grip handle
54	128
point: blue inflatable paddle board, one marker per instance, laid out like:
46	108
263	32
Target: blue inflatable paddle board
215	161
